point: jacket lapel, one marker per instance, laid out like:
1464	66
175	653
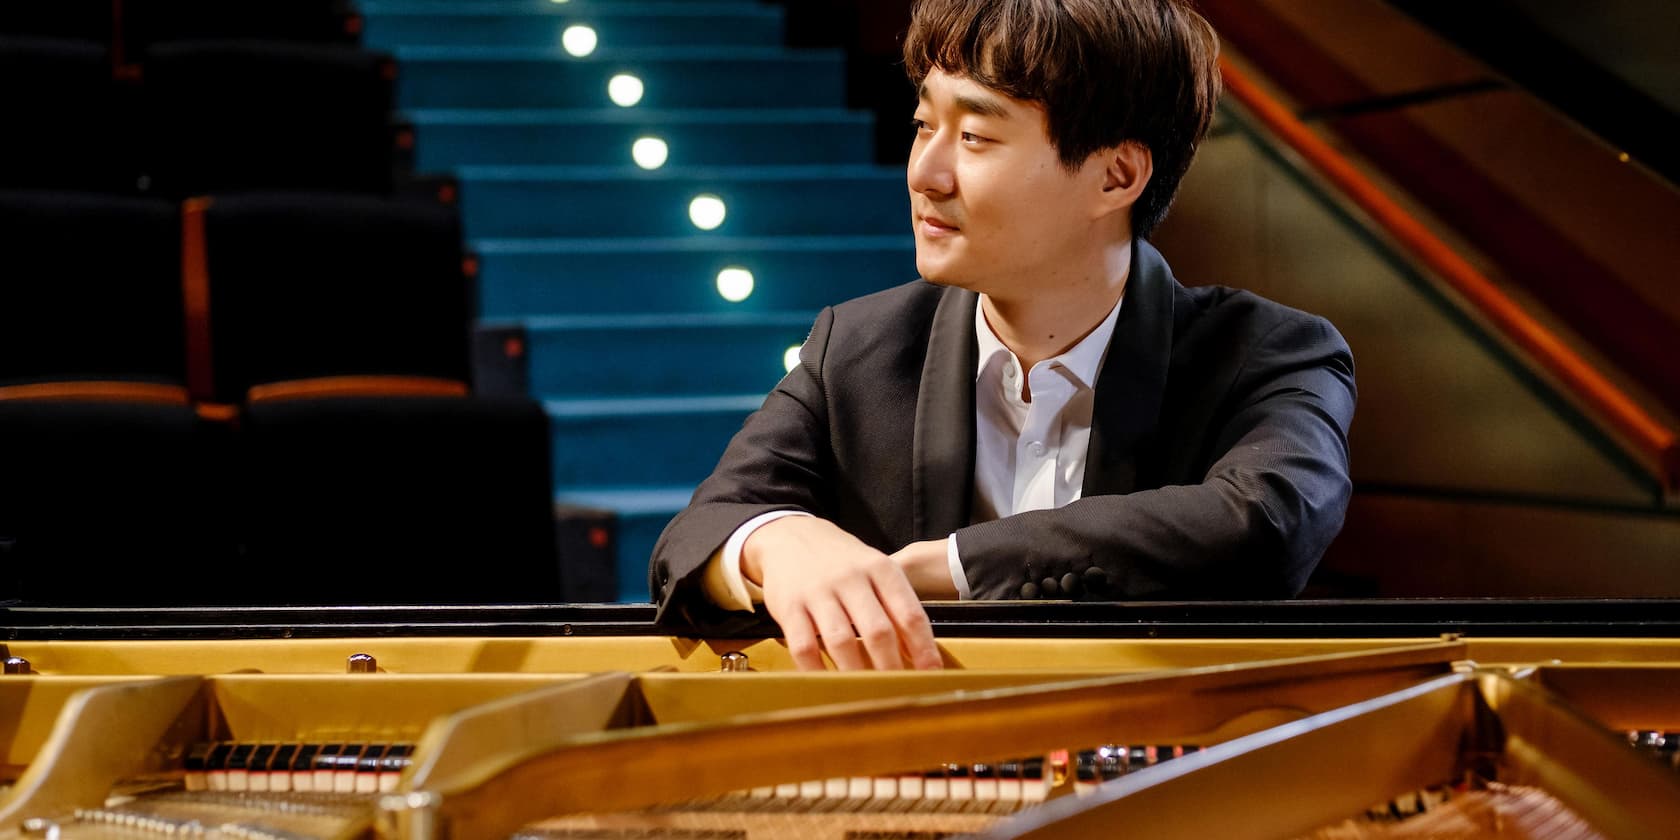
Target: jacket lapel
942	465
1133	377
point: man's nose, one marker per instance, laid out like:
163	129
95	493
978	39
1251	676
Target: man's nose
930	171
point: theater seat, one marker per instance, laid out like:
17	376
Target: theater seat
397	500
222	116
82	20
90	291
315	286
109	503
64	117
148	22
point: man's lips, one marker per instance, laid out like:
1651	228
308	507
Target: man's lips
934	225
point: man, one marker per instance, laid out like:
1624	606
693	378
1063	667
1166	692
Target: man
1047	413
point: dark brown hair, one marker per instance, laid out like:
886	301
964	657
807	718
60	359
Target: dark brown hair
1105	71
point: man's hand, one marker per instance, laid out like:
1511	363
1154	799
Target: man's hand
927	565
823	583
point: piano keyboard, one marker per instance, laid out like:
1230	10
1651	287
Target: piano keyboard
304	768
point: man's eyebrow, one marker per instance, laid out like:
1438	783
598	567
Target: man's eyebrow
984	106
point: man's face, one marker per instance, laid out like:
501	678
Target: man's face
992	206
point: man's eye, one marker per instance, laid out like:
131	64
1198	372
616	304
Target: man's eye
971	137
918	125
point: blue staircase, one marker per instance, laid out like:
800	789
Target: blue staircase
645	367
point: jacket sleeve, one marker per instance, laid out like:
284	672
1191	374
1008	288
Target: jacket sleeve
1255	526
779	460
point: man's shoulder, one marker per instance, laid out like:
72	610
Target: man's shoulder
1241	312
905	310
914	296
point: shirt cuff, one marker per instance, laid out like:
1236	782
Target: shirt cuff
958	576
723	580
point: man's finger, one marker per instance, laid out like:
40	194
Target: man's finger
838	637
801	638
905	611
880	637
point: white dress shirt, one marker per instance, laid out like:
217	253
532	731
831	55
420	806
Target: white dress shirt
1027	455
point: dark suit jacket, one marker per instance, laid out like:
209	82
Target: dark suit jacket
1217	467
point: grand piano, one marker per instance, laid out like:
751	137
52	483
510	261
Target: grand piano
1469	698
1297	719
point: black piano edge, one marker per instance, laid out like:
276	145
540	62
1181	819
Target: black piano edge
1375	618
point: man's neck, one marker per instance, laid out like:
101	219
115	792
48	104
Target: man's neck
1057	313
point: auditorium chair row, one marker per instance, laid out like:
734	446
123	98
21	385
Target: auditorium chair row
232	298
129	26
202	116
388	500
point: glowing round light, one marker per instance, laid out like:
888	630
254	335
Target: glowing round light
706	211
579	40
790	359
624	90
735	284
649	152
557	2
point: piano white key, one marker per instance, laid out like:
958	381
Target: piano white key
937	787
884	787
910	787
962	787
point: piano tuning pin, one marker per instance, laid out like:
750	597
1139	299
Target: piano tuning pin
734	661
17	665
40	827
362	663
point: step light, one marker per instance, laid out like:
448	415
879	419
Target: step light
624	90
649	152
578	40
735	284
790	358
706	211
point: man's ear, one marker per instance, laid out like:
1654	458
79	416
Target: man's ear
1126	171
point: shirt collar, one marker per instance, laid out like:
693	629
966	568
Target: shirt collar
1082	360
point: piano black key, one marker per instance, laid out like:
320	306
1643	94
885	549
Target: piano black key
303	767
215	765
367	768
326	766
195	765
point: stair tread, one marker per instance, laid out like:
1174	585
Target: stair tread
619	172
652	55
667	320
643	245
672	116
613	406
372	9
628	500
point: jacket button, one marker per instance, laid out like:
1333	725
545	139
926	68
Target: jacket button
1096	581
1072	585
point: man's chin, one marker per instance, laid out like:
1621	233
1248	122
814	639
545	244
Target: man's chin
943	276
